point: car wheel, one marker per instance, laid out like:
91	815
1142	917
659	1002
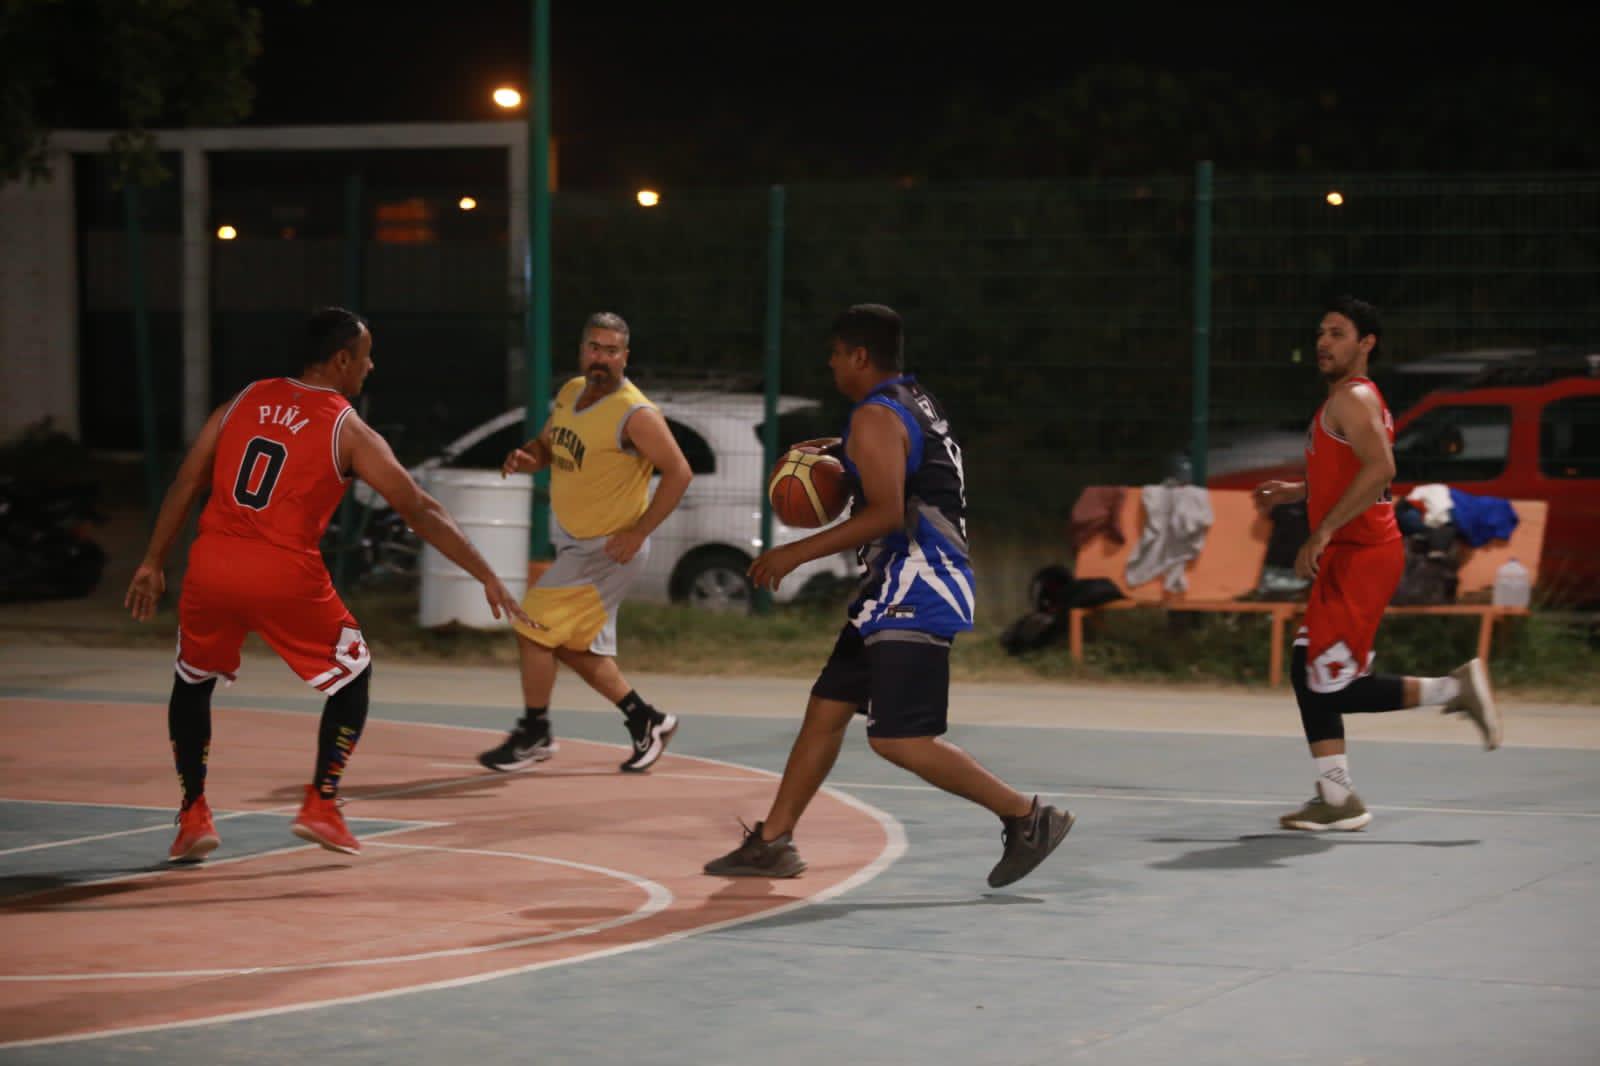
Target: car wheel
713	580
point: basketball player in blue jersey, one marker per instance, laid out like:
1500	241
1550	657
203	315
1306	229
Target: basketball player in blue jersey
892	659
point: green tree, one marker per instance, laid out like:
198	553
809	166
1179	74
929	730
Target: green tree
125	65
1115	121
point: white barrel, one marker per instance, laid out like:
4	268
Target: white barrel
496	514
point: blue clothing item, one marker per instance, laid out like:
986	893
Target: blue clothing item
1480	519
919	577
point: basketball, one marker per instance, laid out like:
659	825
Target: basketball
807	489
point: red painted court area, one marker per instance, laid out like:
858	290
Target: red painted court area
490	876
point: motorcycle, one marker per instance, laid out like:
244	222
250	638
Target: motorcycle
46	552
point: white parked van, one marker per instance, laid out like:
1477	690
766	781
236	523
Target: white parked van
699	555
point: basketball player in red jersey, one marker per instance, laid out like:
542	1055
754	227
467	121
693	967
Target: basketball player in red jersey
277	460
1354	557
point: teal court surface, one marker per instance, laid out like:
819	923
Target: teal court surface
559	915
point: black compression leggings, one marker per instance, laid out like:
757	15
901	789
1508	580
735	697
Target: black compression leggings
1322	713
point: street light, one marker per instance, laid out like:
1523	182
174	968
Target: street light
507	97
466	203
1336	198
226	233
648	198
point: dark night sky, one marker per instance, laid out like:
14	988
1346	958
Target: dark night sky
742	93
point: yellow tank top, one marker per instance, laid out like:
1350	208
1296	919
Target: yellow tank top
598	486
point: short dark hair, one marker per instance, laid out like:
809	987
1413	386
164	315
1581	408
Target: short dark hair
1365	317
607	320
329	331
876	328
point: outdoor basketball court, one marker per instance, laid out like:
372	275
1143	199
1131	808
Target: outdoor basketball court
559	915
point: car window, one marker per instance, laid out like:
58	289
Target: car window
1462	443
1569	438
694	447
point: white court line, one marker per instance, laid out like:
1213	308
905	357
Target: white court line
164	869
1197	800
657	898
85	803
280	809
894	847
1218	801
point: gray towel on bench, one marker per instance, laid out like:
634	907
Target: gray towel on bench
1176	520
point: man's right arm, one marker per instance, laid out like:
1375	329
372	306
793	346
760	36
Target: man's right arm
531	458
373	461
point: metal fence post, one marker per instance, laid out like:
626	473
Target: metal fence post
771	366
1201	397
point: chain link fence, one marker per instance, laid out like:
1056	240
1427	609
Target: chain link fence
1054	320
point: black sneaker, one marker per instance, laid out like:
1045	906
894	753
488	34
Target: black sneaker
759	858
525	745
1028	841
650	733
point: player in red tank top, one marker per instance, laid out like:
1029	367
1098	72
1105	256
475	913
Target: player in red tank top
277	460
1355	557
276	477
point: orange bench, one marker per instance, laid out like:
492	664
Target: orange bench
1229	566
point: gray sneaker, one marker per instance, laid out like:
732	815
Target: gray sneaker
759	858
1318	815
1028	841
1476	701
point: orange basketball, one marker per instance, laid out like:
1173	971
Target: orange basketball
807	489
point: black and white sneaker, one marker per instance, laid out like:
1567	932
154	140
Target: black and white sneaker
1028	841
522	747
650	734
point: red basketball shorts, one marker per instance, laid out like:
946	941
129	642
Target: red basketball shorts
236	586
1354	584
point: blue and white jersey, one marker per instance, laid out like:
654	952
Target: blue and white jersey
919	579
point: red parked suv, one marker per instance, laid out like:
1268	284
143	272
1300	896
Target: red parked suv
1525	431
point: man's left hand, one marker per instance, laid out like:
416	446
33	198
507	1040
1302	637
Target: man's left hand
1307	562
622	547
145	591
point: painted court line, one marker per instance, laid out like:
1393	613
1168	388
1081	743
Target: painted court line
894	847
657	898
1196	800
85	803
162	868
167	826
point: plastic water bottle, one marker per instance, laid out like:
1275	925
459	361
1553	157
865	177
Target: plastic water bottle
1511	585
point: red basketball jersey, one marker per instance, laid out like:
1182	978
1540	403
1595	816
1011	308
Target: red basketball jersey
277	475
1331	465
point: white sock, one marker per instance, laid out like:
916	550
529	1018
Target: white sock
1437	691
1333	778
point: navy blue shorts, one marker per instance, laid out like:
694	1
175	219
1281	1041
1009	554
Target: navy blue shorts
899	679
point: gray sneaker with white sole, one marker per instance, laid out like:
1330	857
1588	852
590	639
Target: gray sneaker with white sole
1476	701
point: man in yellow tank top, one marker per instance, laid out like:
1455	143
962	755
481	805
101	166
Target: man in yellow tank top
602	441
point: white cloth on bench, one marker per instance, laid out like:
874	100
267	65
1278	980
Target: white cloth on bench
1177	518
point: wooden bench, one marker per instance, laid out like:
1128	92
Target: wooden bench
1229	566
